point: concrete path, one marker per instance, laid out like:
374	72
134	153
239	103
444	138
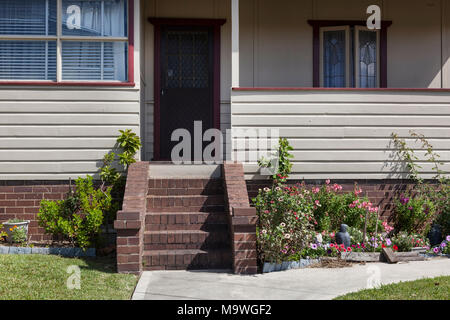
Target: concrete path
310	283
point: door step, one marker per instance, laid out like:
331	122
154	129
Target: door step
187	259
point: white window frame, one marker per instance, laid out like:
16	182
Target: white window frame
347	52
59	38
356	55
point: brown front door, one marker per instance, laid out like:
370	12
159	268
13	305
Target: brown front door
186	92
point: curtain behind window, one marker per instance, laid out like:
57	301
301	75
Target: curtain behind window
82	60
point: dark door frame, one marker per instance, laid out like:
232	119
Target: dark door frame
158	23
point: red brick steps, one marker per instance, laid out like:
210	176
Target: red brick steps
189	259
186	226
159	221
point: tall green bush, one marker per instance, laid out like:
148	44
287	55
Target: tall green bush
80	216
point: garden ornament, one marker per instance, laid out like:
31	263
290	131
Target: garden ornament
342	237
435	235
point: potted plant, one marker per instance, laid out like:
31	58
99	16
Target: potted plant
16	230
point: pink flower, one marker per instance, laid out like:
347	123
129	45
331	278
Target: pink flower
316	190
328	181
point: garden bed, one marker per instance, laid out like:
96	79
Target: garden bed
60	251
288	265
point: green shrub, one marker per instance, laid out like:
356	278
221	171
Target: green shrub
78	217
413	214
431	201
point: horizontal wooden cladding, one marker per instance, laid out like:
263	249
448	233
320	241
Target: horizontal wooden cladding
72	94
386	167
52	155
349	156
56	133
69	119
64	131
42	143
368	132
339	144
332	97
343	134
18	167
376	109
68	107
343	120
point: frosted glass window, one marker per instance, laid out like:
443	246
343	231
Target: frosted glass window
334	59
349	57
368	63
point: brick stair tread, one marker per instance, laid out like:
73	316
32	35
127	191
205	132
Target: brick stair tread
218	195
181	231
154	213
148	253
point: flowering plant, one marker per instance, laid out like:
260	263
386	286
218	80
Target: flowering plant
332	207
285	224
405	242
413	214
18	234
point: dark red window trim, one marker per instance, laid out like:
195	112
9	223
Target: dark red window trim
341	89
317	24
158	22
129	83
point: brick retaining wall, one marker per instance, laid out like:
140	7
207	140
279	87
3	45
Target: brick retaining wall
21	200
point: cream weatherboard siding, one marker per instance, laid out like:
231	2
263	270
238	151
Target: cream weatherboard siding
54	133
345	135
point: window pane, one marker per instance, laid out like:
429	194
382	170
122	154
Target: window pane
367	59
94	18
27	60
94	60
28	17
334	67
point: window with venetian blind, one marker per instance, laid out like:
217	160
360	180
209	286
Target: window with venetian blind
64	40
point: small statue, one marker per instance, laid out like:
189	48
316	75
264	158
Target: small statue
342	237
435	235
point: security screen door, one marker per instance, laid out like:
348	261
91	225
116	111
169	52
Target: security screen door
186	82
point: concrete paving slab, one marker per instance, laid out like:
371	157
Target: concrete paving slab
299	284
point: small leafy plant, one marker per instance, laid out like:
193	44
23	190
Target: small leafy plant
80	216
128	145
283	158
18	235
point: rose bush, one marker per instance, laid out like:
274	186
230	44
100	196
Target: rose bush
286	222
332	207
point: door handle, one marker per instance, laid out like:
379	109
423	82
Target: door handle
162	92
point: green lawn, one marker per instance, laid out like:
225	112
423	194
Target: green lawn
424	289
44	277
